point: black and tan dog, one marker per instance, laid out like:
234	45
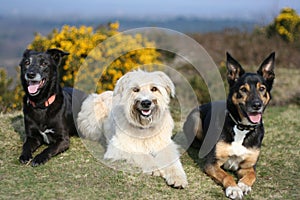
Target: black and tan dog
237	146
47	107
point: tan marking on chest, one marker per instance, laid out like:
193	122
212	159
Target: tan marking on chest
234	156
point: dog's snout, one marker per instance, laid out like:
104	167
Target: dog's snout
146	103
31	75
256	105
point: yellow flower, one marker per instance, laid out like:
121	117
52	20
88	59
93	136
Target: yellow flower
83	41
287	24
114	26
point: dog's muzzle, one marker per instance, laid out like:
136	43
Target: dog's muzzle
34	82
253	111
143	112
146	108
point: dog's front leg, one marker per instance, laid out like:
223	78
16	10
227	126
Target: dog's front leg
175	175
59	146
29	146
246	173
219	175
247	178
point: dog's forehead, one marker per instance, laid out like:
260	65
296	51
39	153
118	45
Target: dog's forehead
145	84
251	78
144	79
37	55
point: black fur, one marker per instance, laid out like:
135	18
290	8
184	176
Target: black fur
249	94
40	69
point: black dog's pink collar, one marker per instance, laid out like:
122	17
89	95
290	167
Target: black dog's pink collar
47	103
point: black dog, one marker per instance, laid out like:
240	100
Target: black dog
47	107
237	145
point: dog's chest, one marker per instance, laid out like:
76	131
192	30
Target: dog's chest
43	127
236	151
141	145
45	134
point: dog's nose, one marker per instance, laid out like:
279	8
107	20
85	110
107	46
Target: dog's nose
146	103
31	75
256	105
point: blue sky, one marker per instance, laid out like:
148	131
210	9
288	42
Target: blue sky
248	9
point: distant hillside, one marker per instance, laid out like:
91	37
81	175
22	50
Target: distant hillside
17	33
191	25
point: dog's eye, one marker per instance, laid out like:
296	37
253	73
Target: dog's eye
27	62
44	64
135	89
243	89
262	88
154	89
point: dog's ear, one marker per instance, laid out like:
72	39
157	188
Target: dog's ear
120	85
56	55
169	85
234	69
266	70
25	55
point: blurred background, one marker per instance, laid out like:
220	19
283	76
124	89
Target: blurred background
249	30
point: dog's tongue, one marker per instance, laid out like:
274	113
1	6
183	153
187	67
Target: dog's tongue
33	87
255	117
146	112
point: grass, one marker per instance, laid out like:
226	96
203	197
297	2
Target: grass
76	174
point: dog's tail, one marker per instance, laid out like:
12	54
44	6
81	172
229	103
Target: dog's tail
193	128
94	111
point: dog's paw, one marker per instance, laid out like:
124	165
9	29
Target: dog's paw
39	160
25	158
245	188
177	181
234	192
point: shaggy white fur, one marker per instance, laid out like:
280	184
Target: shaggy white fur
136	123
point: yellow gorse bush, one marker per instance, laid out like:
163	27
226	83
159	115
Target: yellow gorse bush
91	49
286	24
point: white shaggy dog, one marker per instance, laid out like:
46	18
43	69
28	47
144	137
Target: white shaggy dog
136	123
